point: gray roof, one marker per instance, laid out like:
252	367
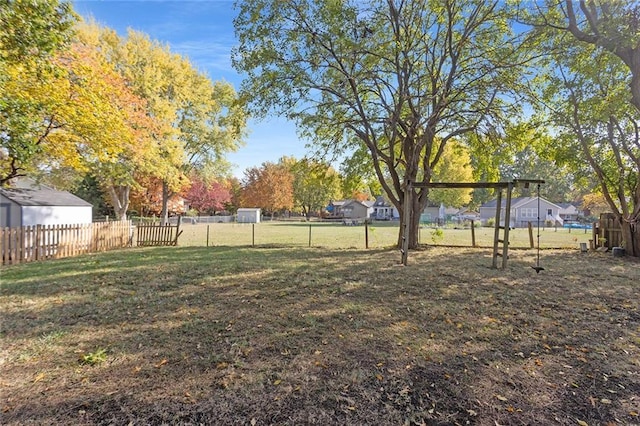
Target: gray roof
40	195
514	201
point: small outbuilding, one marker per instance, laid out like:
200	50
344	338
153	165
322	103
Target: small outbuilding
248	215
27	203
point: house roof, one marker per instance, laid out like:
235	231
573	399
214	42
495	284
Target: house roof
515	202
32	194
568	207
381	201
366	203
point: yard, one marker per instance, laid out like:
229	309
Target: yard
380	235
281	335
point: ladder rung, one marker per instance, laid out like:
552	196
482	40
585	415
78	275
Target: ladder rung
499	254
500	227
502	241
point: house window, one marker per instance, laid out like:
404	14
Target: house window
549	212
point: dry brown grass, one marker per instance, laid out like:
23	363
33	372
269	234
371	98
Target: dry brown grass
308	336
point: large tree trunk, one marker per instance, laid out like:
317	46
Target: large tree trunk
630	237
164	215
416	205
120	200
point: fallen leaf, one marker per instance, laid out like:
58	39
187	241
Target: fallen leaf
379	377
501	398
161	363
583	423
605	401
277	382
633	413
38	377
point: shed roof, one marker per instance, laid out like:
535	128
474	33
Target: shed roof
41	195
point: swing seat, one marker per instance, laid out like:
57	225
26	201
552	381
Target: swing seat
537	269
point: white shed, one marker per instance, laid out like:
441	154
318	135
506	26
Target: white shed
27	203
248	215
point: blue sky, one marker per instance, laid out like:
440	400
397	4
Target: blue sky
203	31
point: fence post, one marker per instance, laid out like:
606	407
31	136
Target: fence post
473	233
366	233
530	227
208	235
253	235
309	235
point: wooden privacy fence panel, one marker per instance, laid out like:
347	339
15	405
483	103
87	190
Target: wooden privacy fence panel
609	233
158	235
40	242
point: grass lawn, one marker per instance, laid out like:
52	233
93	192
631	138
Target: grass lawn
273	335
381	234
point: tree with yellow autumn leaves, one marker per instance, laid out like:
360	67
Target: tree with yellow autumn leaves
79	97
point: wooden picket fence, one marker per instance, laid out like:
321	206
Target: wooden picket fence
40	242
158	235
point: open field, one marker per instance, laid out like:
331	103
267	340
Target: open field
381	234
230	335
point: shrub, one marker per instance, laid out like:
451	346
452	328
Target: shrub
437	235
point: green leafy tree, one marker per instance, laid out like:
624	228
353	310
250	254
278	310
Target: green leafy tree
359	180
594	58
32	31
611	26
398	79
315	184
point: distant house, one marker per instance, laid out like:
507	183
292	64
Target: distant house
432	212
354	209
27	203
351	209
437	213
248	215
523	211
568	212
383	210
